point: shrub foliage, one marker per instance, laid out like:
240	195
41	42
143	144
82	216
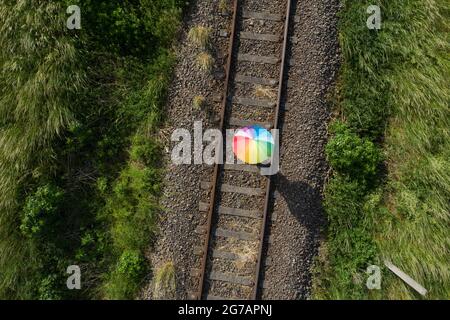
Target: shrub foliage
393	94
79	176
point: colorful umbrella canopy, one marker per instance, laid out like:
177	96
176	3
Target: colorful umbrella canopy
253	144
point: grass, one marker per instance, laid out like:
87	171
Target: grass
393	90
205	61
132	205
224	6
35	108
200	36
165	282
265	92
198	102
79	170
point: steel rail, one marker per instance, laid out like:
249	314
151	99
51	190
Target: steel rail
216	166
275	126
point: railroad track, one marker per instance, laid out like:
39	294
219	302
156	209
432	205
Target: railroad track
239	197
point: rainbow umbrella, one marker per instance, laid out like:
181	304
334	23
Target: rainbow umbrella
253	144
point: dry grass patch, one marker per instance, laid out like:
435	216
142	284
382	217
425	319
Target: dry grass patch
198	102
224	6
200	36
265	92
165	285
205	61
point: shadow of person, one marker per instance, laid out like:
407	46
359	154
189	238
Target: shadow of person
304	203
303	200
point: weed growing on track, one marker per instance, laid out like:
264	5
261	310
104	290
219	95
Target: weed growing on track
205	61
265	92
224	6
200	36
198	102
165	282
393	91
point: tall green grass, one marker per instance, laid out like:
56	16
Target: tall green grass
393	90
78	113
415	236
39	76
132	206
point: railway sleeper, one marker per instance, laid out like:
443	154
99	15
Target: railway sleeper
206	185
262	16
240	235
244	123
255	102
212	297
244	213
266	16
198	251
241	167
231	278
256	214
256	80
258	59
260	36
225	255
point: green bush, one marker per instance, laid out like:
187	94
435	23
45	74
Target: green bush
48	288
41	210
71	108
393	89
353	156
133	207
126	278
132	264
145	150
134	27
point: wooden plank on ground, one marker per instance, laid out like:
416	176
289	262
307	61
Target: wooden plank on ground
407	279
206	185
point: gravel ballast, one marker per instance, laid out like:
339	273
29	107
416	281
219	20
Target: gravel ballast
297	211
